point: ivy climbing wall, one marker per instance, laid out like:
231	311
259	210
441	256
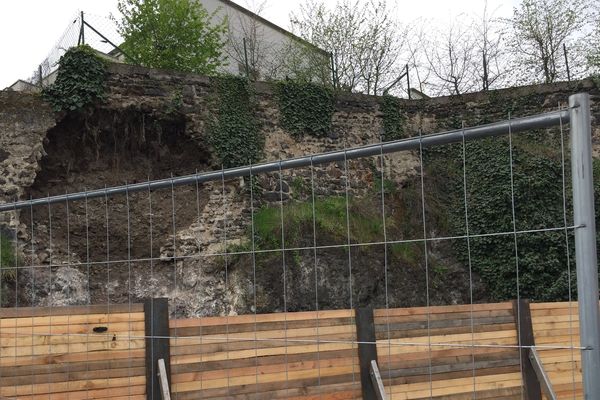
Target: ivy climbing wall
153	123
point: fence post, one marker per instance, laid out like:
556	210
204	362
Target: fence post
365	335
522	313
81	31
585	242
156	317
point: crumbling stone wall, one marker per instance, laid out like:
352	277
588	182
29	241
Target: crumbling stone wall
24	120
139	97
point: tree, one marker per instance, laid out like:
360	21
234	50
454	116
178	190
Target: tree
540	29
593	53
364	42
451	56
490	46
246	39
172	34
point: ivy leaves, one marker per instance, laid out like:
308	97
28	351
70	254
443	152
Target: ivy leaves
394	122
235	134
306	108
538	202
80	80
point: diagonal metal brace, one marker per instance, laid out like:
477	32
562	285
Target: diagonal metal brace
543	378
163	380
377	382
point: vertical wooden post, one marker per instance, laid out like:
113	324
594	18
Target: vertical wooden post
367	350
522	313
156	316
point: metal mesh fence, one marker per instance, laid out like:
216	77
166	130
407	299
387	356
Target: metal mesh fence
150	240
93	30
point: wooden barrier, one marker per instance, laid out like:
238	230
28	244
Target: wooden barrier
72	353
557	324
266	356
444	352
448	352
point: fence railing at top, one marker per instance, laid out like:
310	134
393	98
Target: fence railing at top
89	226
98	32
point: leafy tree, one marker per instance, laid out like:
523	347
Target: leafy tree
540	28
594	50
172	34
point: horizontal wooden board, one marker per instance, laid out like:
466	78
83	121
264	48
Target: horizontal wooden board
21	312
261	318
70	319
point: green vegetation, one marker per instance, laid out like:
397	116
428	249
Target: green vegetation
235	134
172	34
538	203
394	121
80	80
7	259
330	219
306	108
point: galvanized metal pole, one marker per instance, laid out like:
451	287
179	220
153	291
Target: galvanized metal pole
585	242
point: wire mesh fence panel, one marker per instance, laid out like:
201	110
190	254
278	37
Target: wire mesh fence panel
100	33
285	279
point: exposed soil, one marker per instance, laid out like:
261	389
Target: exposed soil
101	236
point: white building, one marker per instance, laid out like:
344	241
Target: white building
271	52
254	46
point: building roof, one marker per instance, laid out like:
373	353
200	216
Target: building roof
271	25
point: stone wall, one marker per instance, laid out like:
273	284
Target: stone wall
24	121
154	124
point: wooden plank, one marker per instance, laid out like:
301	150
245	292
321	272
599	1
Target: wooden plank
348	330
157	345
209	374
70	386
8	341
57	369
277	377
72	357
71	319
522	313
367	350
458	385
56	329
444	331
304	383
22	312
441	309
310	350
127	371
251	327
346	390
445	376
443	317
261	318
199	346
201	365
84	348
443	323
133	392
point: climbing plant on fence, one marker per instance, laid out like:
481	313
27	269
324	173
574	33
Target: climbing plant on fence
305	107
80	80
234	133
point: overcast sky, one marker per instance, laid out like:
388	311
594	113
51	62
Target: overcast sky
30	28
